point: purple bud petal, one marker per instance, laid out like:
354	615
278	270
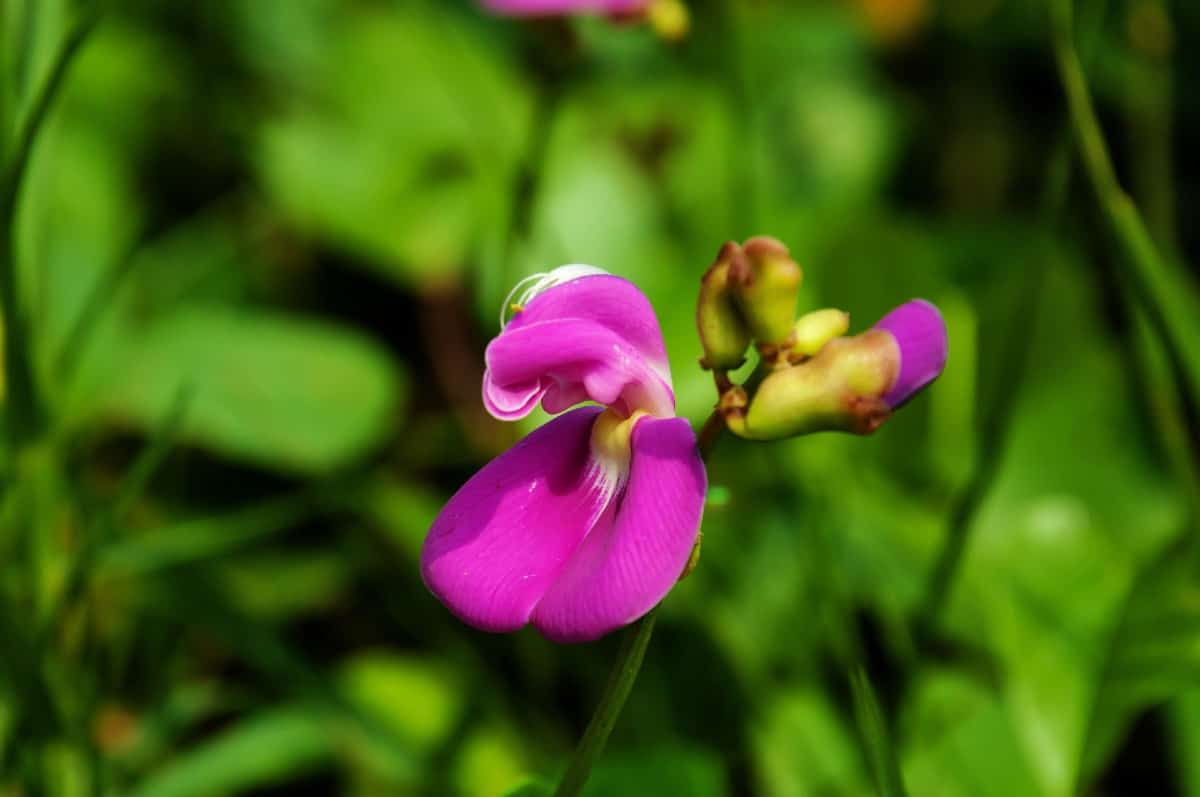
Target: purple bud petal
920	333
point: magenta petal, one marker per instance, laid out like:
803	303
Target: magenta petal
920	332
549	7
638	549
513	401
592	338
506	535
612	302
576	359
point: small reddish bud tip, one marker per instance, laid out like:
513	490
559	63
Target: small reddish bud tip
765	246
733	401
869	414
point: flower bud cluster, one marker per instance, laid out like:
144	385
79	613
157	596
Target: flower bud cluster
811	377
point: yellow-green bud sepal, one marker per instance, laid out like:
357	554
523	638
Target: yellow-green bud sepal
765	283
723	332
839	389
813	330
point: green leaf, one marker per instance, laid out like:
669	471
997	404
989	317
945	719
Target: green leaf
1154	653
404	511
271	389
65	771
588	176
1079	508
266	749
490	759
1185	726
534	788
663	770
278	585
876	740
959	740
191	541
802	746
360	733
419	700
168	724
400	97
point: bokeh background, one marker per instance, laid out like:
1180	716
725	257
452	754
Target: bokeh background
261	246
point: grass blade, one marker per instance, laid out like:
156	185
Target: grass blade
876	741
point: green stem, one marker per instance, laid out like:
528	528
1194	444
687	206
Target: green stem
1148	107
24	413
624	672
1167	294
620	683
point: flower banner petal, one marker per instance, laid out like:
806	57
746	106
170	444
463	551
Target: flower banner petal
570	359
505	536
613	302
594	337
637	551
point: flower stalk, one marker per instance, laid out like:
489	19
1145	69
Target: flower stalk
620	684
625	669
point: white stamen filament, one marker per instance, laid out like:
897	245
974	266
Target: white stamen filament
528	288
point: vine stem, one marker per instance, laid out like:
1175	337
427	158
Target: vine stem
1168	296
624	672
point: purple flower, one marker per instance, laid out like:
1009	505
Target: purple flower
587	523
547	8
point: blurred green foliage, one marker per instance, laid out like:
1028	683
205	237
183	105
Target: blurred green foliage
257	255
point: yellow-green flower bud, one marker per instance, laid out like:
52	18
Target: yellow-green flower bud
841	388
814	330
765	282
723	333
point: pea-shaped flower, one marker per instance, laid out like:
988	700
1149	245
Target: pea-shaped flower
587	523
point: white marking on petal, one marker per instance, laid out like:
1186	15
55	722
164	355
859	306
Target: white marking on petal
607	477
609	455
528	288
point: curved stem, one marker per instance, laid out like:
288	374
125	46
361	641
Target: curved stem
709	434
620	683
1168	295
624	672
